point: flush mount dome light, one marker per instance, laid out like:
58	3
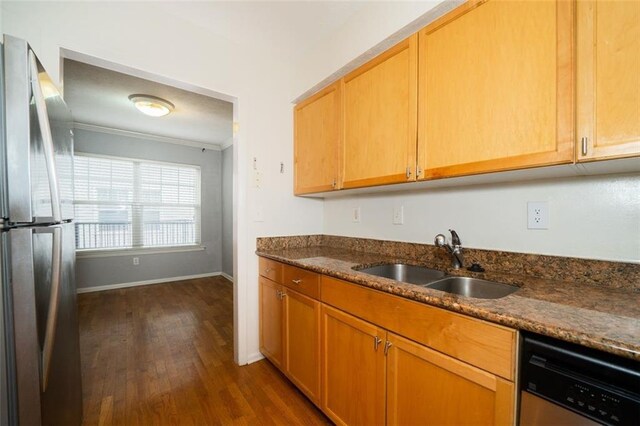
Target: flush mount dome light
152	105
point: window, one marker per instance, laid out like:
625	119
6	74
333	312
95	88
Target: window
122	203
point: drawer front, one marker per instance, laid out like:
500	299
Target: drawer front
271	269
302	281
488	346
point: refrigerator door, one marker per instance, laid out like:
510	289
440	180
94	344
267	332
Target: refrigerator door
38	141
45	323
7	412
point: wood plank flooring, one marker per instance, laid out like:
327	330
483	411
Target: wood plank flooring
163	354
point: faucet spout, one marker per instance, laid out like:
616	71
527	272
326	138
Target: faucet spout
455	248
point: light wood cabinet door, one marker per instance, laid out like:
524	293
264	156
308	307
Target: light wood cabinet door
353	369
380	107
271	325
317	141
608	76
425	387
302	343
496	88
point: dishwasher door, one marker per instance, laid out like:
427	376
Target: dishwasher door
535	411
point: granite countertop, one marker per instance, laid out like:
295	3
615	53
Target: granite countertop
603	318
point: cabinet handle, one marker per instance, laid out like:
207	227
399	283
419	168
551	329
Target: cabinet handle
418	172
267	270
584	141
334	183
386	347
376	342
278	293
282	295
297	281
408	172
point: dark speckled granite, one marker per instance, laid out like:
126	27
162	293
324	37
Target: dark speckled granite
583	271
585	308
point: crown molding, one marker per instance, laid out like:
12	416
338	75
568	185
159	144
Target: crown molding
147	136
226	144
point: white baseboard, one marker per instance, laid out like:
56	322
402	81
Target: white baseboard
254	357
147	282
227	276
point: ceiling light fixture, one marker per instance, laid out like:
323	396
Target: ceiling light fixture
152	105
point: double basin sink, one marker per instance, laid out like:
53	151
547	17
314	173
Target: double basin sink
438	280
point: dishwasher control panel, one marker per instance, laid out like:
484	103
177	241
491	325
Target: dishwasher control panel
597	385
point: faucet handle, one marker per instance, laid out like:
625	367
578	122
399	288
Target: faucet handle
440	240
455	239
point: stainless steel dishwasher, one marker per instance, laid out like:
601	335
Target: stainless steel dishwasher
566	384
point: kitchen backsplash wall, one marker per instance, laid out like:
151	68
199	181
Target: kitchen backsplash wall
589	217
595	272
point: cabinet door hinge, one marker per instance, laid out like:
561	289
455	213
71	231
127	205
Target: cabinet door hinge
584	141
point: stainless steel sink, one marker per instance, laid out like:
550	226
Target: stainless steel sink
405	273
473	287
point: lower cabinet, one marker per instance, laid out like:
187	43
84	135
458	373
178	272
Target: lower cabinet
290	335
352	363
353	369
426	387
302	343
271	325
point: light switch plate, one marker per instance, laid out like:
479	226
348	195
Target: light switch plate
398	215
356	215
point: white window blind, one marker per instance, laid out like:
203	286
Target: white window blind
126	203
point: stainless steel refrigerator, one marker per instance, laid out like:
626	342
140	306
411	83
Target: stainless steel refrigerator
40	380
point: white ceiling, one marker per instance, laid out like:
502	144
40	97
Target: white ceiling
289	27
98	96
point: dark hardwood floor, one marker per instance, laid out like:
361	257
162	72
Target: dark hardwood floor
163	354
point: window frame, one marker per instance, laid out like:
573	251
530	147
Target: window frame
142	250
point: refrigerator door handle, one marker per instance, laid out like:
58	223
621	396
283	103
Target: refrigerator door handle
54	303
47	138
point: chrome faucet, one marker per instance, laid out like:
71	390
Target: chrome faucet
455	248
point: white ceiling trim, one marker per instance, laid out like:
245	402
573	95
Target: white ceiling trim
226	144
163	139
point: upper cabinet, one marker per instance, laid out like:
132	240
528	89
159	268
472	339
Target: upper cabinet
380	107
608	76
318	139
496	88
493	85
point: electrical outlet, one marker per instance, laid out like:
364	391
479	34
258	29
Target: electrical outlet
398	215
537	215
356	215
136	261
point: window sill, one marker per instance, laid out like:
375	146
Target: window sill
83	254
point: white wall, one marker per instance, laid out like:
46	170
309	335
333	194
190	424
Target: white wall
141	36
590	217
